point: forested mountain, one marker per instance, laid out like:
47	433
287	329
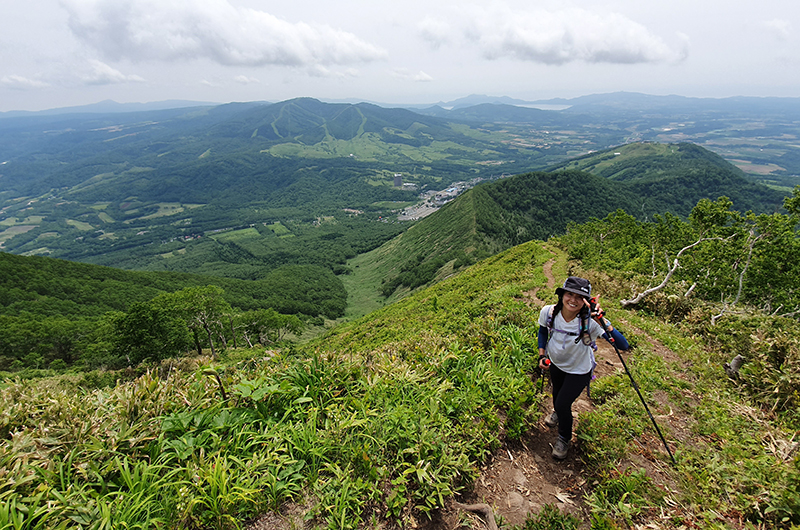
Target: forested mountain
190	155
495	216
673	177
233	189
642	179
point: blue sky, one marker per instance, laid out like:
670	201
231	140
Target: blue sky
57	53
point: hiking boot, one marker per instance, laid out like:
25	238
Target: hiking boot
560	448
551	420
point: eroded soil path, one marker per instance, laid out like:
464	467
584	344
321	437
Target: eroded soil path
521	477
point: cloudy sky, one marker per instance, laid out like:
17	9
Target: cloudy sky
57	53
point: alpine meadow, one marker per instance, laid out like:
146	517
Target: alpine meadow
275	316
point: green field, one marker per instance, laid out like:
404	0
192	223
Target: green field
237	235
279	229
80	225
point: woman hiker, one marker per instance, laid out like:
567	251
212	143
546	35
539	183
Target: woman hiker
567	334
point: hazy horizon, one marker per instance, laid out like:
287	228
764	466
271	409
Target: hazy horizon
109	105
64	53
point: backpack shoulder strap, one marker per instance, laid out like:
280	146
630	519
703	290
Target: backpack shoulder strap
549	325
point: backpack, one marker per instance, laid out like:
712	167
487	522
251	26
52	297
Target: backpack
592	344
551	328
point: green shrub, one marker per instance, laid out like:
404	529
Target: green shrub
551	518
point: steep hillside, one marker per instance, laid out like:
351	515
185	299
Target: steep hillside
48	287
486	219
413	417
642	179
673	177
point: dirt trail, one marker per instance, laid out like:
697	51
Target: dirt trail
521	477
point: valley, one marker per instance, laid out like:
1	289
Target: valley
215	318
242	189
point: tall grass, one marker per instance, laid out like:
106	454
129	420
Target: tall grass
385	418
393	424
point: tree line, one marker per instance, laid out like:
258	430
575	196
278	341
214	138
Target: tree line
731	279
169	325
716	254
59	314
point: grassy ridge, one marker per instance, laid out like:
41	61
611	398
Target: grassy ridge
390	426
492	217
386	418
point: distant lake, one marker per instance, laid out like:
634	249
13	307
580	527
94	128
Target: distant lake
545	107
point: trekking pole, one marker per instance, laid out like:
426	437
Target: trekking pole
542	375
633	383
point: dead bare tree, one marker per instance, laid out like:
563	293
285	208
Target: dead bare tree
672	268
751	242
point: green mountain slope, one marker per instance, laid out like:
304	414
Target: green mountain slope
46	287
673	177
483	221
390	419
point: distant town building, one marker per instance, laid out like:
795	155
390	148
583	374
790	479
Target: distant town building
398	180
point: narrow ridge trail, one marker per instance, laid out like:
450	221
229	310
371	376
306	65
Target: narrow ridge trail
521	477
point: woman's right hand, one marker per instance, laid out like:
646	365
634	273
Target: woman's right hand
544	363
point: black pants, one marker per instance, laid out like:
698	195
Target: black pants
566	389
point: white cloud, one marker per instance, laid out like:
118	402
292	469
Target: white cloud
19	82
100	73
244	80
780	28
435	32
405	74
170	30
317	70
565	36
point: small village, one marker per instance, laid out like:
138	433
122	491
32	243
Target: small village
432	200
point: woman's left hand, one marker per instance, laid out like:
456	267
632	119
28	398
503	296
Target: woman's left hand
595	311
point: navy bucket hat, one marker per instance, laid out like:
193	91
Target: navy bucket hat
576	285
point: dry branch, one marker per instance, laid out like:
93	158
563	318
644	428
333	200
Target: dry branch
752	243
675	264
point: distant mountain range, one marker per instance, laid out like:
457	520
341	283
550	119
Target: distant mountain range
110	106
239	189
589	104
